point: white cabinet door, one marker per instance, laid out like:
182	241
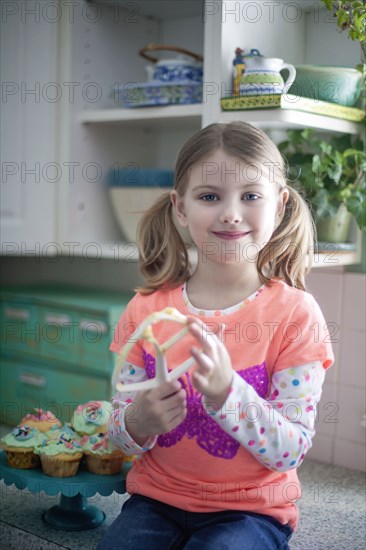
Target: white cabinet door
30	96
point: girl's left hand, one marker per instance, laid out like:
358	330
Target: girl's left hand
214	373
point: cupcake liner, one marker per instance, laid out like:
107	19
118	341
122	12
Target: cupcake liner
104	464
61	465
22	459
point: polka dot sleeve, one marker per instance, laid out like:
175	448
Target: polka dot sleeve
277	431
124	407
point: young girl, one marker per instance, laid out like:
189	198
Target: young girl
219	447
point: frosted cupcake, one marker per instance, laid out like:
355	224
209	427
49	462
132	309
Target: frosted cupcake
60	457
41	420
102	457
92	417
55	433
19	447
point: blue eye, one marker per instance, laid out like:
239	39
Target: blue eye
209	197
251	196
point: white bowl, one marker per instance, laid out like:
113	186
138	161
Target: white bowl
129	203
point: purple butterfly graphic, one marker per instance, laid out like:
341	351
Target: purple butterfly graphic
209	435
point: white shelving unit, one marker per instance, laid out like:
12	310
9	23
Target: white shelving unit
224	27
98	48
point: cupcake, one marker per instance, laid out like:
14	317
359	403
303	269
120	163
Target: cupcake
41	420
57	432
91	418
19	447
60	457
102	457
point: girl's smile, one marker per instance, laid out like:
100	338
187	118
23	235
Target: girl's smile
231	235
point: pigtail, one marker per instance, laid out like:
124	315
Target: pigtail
289	253
163	256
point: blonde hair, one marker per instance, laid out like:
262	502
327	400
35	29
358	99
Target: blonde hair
288	255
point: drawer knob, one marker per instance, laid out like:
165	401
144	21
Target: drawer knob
14	313
94	326
33	380
59	320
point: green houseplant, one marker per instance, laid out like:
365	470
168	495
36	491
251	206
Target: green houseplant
331	176
351	17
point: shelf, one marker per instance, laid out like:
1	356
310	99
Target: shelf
335	259
185	115
120	251
128	252
115	250
278	119
169	115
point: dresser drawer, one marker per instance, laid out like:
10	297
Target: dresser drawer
56	348
20	327
25	385
76	337
60	334
95	336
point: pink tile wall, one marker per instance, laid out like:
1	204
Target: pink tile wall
340	435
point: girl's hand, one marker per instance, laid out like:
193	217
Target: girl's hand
156	411
214	373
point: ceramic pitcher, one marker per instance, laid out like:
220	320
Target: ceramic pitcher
262	75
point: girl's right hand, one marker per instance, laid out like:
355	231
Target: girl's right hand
156	411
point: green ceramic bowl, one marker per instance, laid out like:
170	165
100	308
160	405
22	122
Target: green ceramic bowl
340	85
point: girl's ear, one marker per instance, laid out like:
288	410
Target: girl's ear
179	209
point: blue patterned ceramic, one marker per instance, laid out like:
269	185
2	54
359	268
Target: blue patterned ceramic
155	93
174	71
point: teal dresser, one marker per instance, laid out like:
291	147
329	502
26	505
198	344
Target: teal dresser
55	348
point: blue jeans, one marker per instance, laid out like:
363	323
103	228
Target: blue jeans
145	523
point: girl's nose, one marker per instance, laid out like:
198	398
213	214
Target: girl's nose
230	214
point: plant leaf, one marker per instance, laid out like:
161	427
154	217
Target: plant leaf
356	205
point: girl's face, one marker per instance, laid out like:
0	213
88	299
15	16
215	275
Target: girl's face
231	209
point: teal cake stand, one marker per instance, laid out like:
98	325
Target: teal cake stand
72	513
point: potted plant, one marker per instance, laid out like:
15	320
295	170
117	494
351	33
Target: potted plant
331	176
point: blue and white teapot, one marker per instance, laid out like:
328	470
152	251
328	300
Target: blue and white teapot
186	67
